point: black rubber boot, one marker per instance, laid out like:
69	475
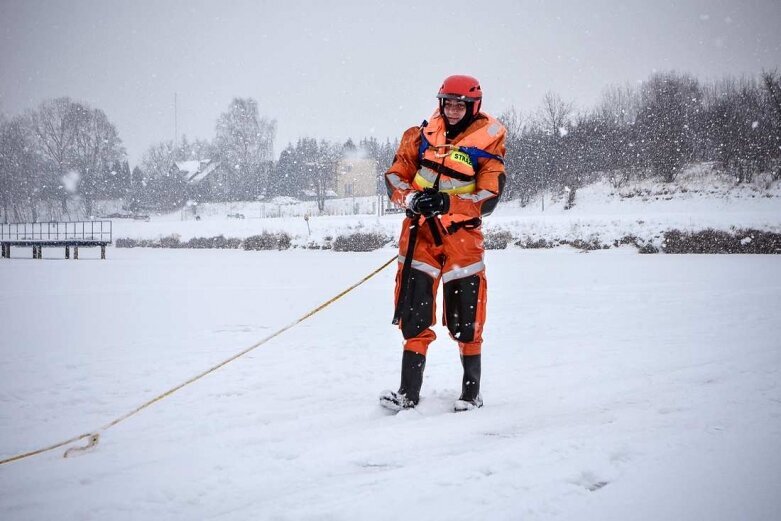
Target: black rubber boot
470	385
412	365
408	395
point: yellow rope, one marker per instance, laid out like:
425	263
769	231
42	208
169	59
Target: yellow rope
94	436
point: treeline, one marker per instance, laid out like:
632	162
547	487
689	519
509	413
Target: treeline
652	129
63	156
65	150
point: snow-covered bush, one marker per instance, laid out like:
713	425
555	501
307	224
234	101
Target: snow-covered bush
218	242
535	244
171	241
497	239
361	241
268	241
717	241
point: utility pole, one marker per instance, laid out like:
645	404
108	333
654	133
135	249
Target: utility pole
176	129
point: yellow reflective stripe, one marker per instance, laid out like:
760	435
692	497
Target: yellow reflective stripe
448	186
467	189
427	176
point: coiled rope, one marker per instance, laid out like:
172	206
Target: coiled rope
94	436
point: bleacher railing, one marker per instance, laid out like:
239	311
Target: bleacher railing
84	231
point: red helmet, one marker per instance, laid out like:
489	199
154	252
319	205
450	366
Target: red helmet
464	88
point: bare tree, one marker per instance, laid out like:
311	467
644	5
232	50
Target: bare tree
554	119
773	88
519	182
554	115
72	137
736	126
7	181
97	147
671	103
199	149
56	124
513	121
619	105
245	143
158	188
20	172
158	160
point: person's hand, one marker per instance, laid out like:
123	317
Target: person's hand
430	202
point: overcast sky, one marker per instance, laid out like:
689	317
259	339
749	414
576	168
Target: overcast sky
355	68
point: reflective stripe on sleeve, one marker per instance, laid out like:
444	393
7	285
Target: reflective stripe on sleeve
396	181
482	195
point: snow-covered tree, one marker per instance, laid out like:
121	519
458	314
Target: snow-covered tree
21	175
76	140
97	148
670	106
244	143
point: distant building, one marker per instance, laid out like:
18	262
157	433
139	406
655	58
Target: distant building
209	180
356	177
203	176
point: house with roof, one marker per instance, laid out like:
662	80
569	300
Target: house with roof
204	178
210	180
356	177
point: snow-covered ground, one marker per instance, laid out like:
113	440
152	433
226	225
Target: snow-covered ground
617	386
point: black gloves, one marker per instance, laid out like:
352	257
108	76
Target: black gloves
430	202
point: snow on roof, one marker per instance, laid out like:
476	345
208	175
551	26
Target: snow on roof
200	176
196	170
188	167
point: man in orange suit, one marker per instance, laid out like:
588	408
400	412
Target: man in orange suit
447	174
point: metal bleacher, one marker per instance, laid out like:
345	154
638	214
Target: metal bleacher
74	234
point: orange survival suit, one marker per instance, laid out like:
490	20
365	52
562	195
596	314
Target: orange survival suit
470	168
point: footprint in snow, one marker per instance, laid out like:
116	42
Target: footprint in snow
590	482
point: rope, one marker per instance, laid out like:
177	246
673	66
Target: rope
93	437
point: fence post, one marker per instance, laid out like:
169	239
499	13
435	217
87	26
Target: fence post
103	252
67	251
75	253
